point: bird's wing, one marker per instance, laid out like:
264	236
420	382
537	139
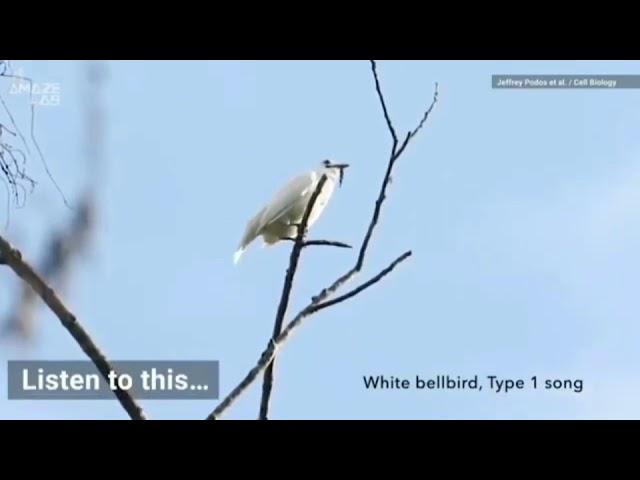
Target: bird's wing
288	197
252	229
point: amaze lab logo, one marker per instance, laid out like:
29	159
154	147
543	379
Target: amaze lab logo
46	94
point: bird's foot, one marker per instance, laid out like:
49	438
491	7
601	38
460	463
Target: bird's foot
297	226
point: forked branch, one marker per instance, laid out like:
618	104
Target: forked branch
267	356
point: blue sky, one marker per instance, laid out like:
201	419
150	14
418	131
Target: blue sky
520	206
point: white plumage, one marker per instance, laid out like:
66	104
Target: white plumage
278	219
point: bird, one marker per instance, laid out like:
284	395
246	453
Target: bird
279	219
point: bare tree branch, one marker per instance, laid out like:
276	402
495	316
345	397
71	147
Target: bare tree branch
426	113
319	301
14	259
384	106
328	243
13	122
12	166
267	384
315	307
267	356
43	160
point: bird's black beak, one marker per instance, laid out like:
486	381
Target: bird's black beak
341	167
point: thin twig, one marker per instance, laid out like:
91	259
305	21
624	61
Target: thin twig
267	383
426	113
13	122
267	356
328	243
42	159
384	106
32	131
14	259
395	154
317	307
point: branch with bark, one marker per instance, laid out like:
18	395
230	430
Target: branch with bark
327	243
321	300
14	260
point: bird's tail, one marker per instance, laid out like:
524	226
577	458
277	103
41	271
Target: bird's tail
250	234
238	254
